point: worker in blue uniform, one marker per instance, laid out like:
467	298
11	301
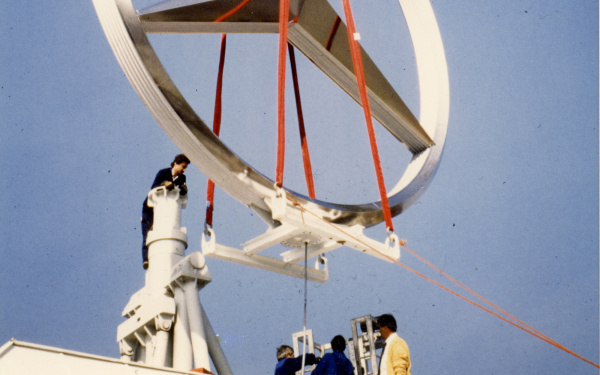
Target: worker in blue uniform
335	363
287	364
169	178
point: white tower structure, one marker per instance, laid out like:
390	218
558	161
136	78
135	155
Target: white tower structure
166	325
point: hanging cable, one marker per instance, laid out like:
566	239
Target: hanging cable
310	185
210	188
305	303
360	78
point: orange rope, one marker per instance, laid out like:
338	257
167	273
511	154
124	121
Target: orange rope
310	185
360	78
284	11
476	295
231	12
520	325
210	189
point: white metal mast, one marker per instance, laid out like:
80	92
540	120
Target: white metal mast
166	325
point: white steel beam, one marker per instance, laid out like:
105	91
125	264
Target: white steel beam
265	263
270	238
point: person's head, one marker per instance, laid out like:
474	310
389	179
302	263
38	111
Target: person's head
387	325
284	351
338	343
179	164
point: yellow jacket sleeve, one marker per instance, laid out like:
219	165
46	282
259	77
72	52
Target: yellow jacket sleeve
398	359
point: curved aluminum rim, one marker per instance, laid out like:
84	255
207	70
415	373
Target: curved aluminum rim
164	101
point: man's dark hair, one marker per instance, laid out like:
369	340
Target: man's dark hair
181	158
387	320
338	343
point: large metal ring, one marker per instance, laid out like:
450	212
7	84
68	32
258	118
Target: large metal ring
144	70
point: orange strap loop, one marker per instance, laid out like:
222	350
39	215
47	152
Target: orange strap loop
210	188
310	185
360	78
284	14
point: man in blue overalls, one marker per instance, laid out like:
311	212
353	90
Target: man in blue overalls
169	178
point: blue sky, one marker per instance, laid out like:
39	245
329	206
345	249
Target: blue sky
512	212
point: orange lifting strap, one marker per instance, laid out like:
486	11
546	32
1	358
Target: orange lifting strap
360	78
310	185
283	32
210	188
284	13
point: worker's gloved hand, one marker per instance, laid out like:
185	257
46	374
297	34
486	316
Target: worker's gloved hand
183	189
169	185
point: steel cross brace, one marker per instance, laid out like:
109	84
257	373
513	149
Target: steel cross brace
298	228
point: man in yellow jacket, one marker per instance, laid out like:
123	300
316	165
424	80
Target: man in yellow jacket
395	358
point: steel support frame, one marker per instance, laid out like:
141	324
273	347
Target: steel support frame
366	339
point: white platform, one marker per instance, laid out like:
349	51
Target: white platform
22	358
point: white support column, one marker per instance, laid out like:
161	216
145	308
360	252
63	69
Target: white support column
167	240
148	341
182	344
160	350
214	348
198	336
163	324
140	352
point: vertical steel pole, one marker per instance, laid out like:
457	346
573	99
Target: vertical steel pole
182	344
214	348
160	350
199	346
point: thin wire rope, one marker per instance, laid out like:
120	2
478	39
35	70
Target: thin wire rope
305	304
520	326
